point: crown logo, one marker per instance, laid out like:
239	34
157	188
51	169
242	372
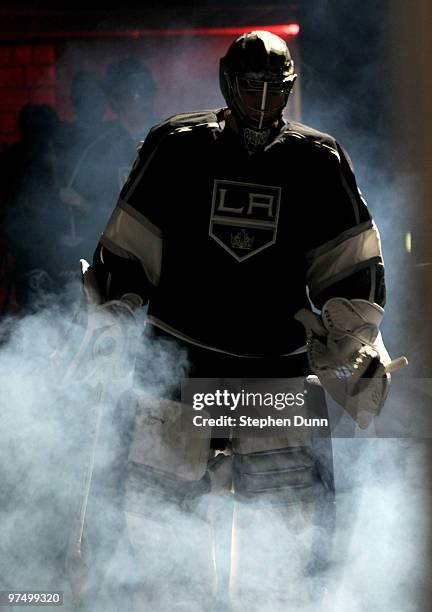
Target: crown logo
242	240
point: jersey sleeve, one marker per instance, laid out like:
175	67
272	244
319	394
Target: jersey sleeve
128	257
345	259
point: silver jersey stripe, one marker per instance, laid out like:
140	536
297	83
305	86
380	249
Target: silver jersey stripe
111	246
344	256
125	234
133	212
244	222
370	263
181	336
331	244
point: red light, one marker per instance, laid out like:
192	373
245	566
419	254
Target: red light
292	29
289	29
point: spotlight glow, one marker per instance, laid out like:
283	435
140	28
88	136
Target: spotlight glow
408	242
283	30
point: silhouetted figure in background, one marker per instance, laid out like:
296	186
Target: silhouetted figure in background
29	202
131	90
76	141
107	150
89	102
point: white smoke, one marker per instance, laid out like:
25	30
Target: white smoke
379	560
46	437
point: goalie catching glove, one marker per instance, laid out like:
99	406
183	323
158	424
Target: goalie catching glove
346	352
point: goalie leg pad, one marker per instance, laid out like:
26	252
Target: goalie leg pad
293	464
285	528
282	476
281	543
165	462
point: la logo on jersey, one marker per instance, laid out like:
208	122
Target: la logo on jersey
244	217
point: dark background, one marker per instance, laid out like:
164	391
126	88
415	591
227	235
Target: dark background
342	47
347	86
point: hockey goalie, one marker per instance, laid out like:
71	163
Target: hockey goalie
248	238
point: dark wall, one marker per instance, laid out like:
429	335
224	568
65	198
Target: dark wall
345	70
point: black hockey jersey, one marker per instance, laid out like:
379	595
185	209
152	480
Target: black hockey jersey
227	246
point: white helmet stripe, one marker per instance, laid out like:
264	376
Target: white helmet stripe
263	103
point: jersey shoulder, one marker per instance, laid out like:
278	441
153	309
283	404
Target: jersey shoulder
165	142
187	122
310	137
193	122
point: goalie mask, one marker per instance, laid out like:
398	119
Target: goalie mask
256	77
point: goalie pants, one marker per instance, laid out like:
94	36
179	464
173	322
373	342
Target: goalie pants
181	494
